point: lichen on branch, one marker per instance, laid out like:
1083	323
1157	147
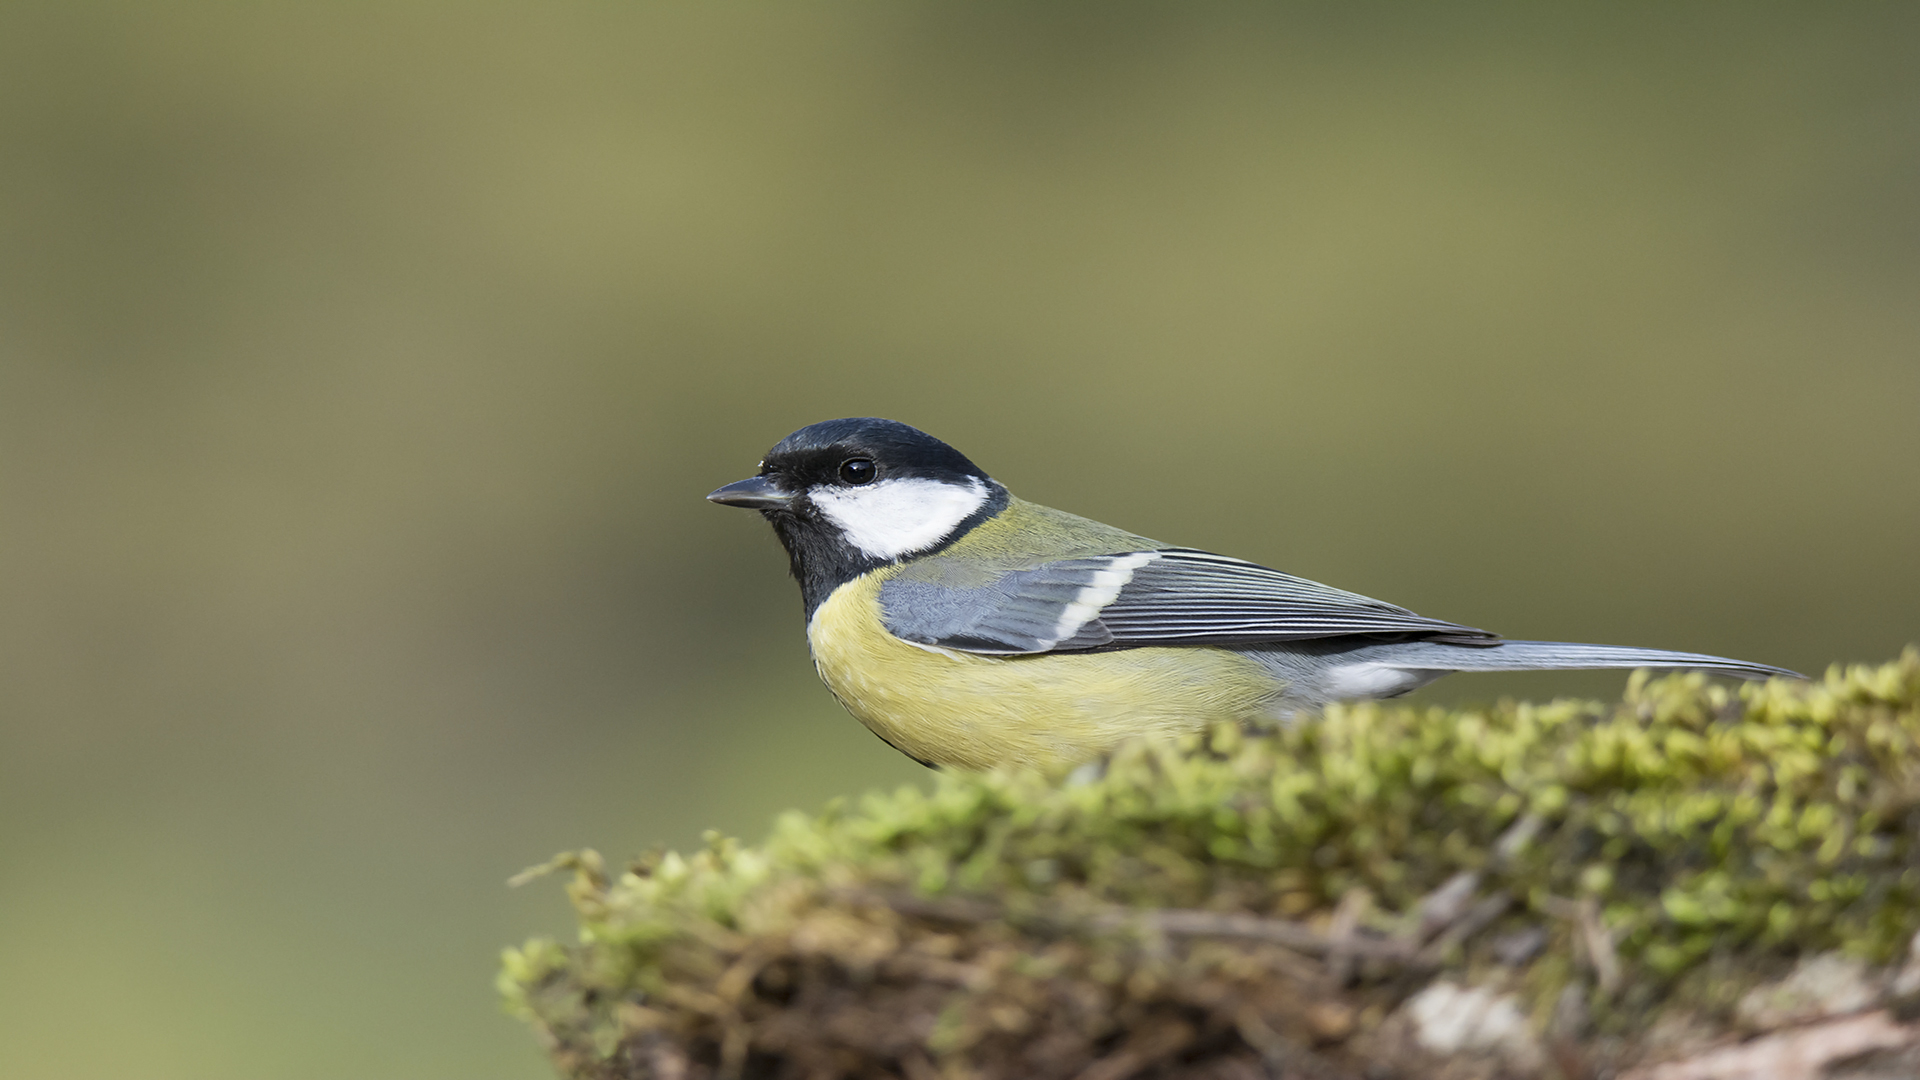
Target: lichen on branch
1584	874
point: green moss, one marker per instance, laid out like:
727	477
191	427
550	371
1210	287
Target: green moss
1700	821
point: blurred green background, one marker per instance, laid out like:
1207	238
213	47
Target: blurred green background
362	367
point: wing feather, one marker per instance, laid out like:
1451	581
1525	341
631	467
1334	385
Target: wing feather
1172	596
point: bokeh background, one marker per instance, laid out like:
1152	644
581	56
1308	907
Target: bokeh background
362	367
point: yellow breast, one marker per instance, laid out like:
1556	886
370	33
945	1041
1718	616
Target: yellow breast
975	712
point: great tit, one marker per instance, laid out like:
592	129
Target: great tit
970	628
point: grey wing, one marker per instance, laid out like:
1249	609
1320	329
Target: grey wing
1172	596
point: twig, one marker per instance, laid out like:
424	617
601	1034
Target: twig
1445	905
1177	922
1794	1054
1596	941
1518	835
1477	918
1343	937
1173	922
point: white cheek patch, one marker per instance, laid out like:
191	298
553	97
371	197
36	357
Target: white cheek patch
896	517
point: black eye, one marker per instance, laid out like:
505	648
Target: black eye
857	471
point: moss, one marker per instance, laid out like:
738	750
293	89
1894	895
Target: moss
1015	924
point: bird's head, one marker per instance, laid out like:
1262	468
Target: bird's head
848	495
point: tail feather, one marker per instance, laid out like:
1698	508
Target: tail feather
1567	655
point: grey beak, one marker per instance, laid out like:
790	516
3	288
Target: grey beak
753	493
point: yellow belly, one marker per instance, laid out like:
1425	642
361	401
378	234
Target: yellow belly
975	712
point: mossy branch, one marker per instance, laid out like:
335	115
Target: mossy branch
1525	889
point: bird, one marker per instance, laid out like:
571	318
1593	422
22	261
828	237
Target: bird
971	629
